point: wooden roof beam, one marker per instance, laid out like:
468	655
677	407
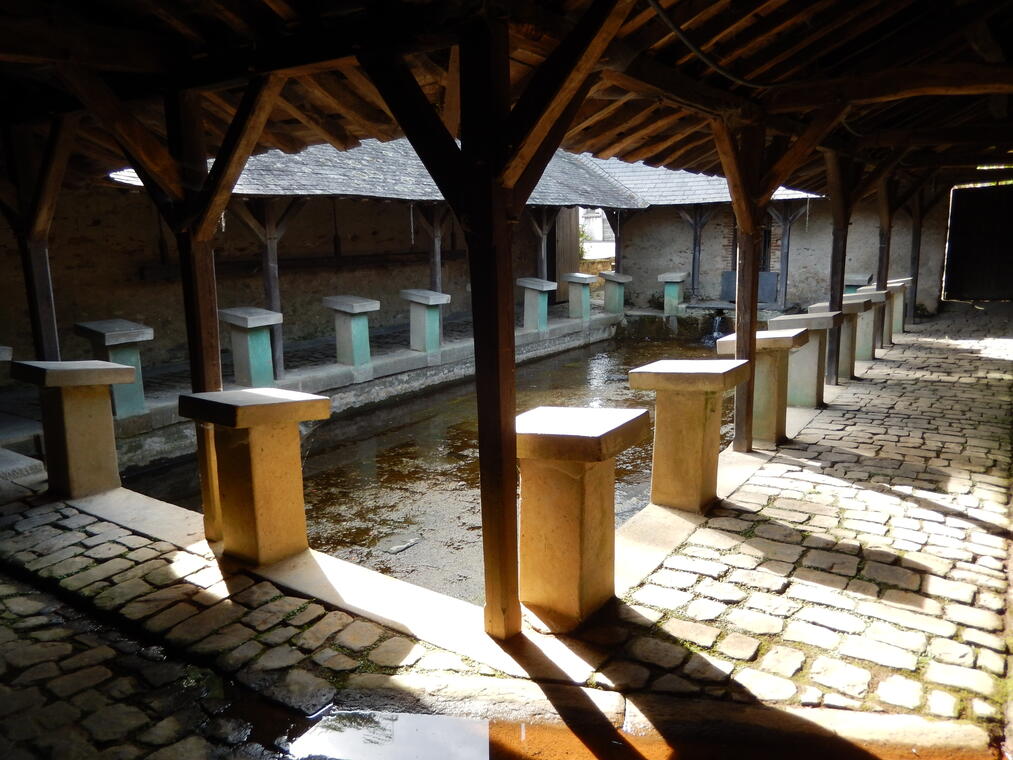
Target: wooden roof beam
641	134
242	137
800	149
143	149
553	86
989	133
334	97
894	84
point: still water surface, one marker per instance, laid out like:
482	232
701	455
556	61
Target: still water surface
396	488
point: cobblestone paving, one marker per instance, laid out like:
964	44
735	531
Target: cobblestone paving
863	567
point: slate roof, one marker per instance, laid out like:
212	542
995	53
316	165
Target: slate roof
657	186
393	170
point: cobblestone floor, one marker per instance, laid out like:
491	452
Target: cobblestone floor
862	568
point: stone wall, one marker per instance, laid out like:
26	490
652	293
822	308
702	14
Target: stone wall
658	240
109	260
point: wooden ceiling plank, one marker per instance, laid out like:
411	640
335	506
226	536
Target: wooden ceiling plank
637	136
650	149
607	133
331	96
598	115
718	30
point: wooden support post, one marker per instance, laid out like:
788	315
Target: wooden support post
432	220
697	220
885	193
917	214
840	184
542	220
487	181
38	186
742	154
272	285
614	217
785	217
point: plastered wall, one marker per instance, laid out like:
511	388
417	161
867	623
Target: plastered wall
109	260
658	240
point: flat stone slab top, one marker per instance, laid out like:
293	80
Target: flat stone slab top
425	297
351	304
876	296
616	277
579	434
767	340
580	278
857	279
254	406
249	317
673	276
817	320
113	332
6	352
66	374
901	280
850	305
536	283
690	375
896	287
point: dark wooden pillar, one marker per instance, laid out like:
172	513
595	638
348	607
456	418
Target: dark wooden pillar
786	218
487	182
433	221
742	158
272	283
885	199
917	218
697	219
840	184
614	217
37	184
542	220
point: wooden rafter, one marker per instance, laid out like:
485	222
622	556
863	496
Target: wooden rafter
327	130
799	150
642	133
876	87
144	150
550	92
244	131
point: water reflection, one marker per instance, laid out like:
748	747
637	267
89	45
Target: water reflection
393	736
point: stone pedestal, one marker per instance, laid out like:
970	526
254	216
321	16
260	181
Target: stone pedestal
615	291
250	333
896	308
567	511
865	338
770	381
259	467
900	303
351	327
675	291
580	294
77	422
119	341
424	313
852	282
536	302
851	309
687	426
807	365
6	353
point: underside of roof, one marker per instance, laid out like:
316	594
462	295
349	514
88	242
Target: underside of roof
919	87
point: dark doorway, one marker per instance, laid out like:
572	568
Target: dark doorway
979	255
